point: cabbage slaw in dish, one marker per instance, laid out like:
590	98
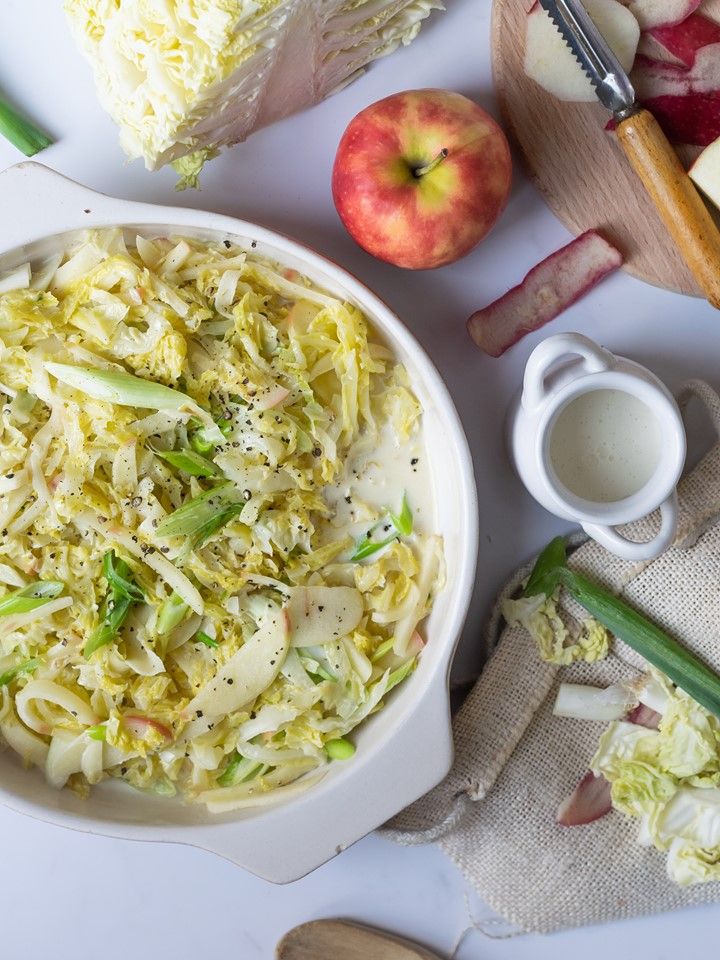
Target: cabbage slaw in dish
215	550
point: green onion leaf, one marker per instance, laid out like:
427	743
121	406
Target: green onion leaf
125	390
196	514
403	522
171	614
240	770
225	426
30	597
114	615
199	443
397	676
97	732
20	132
122	594
27	667
215	524
661	650
545	574
384	648
190	462
117	574
206	639
367	547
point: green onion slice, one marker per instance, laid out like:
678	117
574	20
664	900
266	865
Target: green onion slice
403	526
190	462
122	594
30	597
206	639
127	390
26	667
97	732
171	614
117	574
20	132
203	512
403	522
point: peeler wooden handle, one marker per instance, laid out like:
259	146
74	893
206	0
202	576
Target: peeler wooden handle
678	202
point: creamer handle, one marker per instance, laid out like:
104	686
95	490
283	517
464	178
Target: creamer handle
613	541
595	360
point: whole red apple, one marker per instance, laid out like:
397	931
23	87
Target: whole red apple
420	177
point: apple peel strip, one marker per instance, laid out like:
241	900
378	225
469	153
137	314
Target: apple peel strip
549	288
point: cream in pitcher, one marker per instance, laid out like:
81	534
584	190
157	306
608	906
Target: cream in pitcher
598	439
605	445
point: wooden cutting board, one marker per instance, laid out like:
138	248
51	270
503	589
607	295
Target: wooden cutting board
578	167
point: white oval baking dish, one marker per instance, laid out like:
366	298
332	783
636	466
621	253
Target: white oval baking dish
405	749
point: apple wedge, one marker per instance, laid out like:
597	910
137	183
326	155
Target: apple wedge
685	101
589	801
710	9
548	289
321	615
549	62
246	674
652	78
682	41
660	13
705	172
652	49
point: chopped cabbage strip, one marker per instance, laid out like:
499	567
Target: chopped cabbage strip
669	779
540	617
125	362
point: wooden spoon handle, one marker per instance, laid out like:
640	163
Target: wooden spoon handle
678	202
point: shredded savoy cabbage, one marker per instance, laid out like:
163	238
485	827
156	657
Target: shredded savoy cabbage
182	609
539	616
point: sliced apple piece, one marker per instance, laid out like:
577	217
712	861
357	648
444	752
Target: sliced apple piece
652	78
682	41
323	614
705	172
140	725
548	289
29	746
589	801
64	757
652	49
710	9
270	397
549	62
659	13
247	673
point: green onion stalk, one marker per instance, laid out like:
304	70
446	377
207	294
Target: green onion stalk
20	132
684	668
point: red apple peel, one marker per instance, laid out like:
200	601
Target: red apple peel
549	288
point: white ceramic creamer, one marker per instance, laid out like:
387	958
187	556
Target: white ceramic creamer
598	439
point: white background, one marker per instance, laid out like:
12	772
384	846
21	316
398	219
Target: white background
59	891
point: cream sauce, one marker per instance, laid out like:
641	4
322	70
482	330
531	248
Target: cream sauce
605	445
374	480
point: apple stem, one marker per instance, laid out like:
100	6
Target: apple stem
427	167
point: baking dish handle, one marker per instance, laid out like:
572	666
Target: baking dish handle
36	202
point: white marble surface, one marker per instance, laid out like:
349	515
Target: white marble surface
59	888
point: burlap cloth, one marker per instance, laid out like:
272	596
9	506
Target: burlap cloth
494	814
